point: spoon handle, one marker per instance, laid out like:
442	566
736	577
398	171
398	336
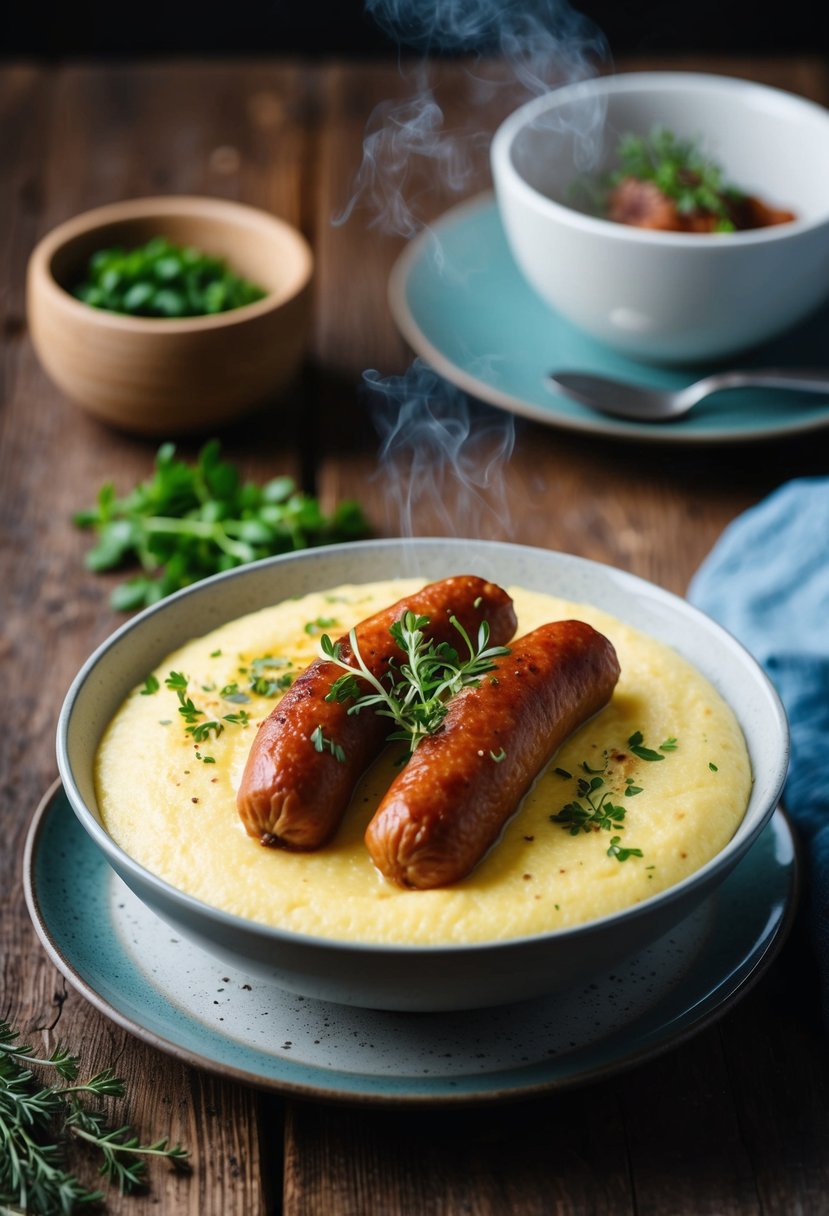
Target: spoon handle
809	379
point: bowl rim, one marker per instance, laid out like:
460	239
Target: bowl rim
40	260
721	862
504	168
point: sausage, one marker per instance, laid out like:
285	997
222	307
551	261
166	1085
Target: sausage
294	796
448	805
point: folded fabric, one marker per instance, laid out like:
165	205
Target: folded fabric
767	581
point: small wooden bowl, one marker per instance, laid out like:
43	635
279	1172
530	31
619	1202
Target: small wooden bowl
159	376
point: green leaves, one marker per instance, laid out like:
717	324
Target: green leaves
599	813
37	1120
680	170
187	522
163	280
636	745
593	810
416	688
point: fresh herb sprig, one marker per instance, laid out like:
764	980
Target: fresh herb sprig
681	171
39	1118
188	521
161	279
415	690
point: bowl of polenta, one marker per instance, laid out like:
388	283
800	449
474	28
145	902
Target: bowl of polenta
411	819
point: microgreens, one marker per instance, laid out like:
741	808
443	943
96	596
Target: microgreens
415	689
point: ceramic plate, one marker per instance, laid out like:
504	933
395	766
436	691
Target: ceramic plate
133	968
462	304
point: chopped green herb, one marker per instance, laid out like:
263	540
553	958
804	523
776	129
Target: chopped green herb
203	730
312	628
587	769
598	813
713	766
631	790
562	772
621	854
322	744
265	685
215	654
151	685
501	755
186	522
242	718
232	692
670	745
636	745
161	279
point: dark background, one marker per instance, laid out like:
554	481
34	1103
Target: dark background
57	28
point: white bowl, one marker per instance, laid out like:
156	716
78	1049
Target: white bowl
418	977
664	296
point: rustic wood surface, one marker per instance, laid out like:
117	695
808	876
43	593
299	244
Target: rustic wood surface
734	1121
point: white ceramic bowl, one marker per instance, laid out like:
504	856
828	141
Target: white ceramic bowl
663	296
416	977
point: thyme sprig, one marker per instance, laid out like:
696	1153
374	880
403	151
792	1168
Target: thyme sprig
416	688
37	1120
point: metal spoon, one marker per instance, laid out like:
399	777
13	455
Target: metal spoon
636	402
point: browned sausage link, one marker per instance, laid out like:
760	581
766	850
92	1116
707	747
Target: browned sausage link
294	796
448	805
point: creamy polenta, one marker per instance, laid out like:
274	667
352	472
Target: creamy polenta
570	854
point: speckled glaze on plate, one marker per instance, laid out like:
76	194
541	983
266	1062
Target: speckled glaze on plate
171	994
461	302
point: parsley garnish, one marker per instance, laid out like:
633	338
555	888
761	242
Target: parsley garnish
38	1119
264	684
599	812
186	522
620	853
151	685
416	688
178	683
636	745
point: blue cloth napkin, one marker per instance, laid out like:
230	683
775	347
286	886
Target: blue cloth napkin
767	581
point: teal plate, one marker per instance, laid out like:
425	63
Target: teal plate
138	972
460	301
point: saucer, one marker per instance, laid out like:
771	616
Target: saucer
461	302
138	972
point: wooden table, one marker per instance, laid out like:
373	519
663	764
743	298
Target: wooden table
735	1120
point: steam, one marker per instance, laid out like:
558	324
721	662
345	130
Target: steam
442	457
518	49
